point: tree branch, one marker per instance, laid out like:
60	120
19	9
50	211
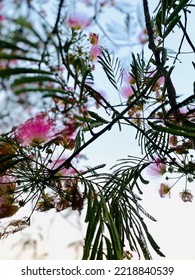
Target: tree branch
149	28
171	92
67	163
55	29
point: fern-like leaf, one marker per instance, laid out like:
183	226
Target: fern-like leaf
111	68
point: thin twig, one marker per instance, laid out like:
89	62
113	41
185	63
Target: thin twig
182	40
55	29
187	36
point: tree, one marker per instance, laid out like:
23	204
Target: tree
48	69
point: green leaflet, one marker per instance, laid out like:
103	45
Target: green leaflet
185	102
99	217
39	89
188	126
151	240
177	9
92	219
152	141
115	237
78	141
171	25
33	79
179	131
109	253
97	117
111	68
95	252
17	37
130	223
89	204
18	57
15	71
27	25
168	15
93	124
9	45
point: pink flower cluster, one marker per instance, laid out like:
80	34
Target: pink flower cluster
156	168
35	131
126	90
95	50
186	196
78	21
143	36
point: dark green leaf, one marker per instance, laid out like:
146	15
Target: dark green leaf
18	57
9	45
92	125
27	25
97	117
93	219
34	79
78	142
185	102
171	25
177	9
111	67
15	71
179	131
109	249
96	243
152	242
39	89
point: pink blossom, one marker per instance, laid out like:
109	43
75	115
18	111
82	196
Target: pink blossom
35	131
126	91
100	98
78	21
173	140
157	168
186	196
93	37
160	82
164	190
128	78
70	130
100	95
94	53
143	37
